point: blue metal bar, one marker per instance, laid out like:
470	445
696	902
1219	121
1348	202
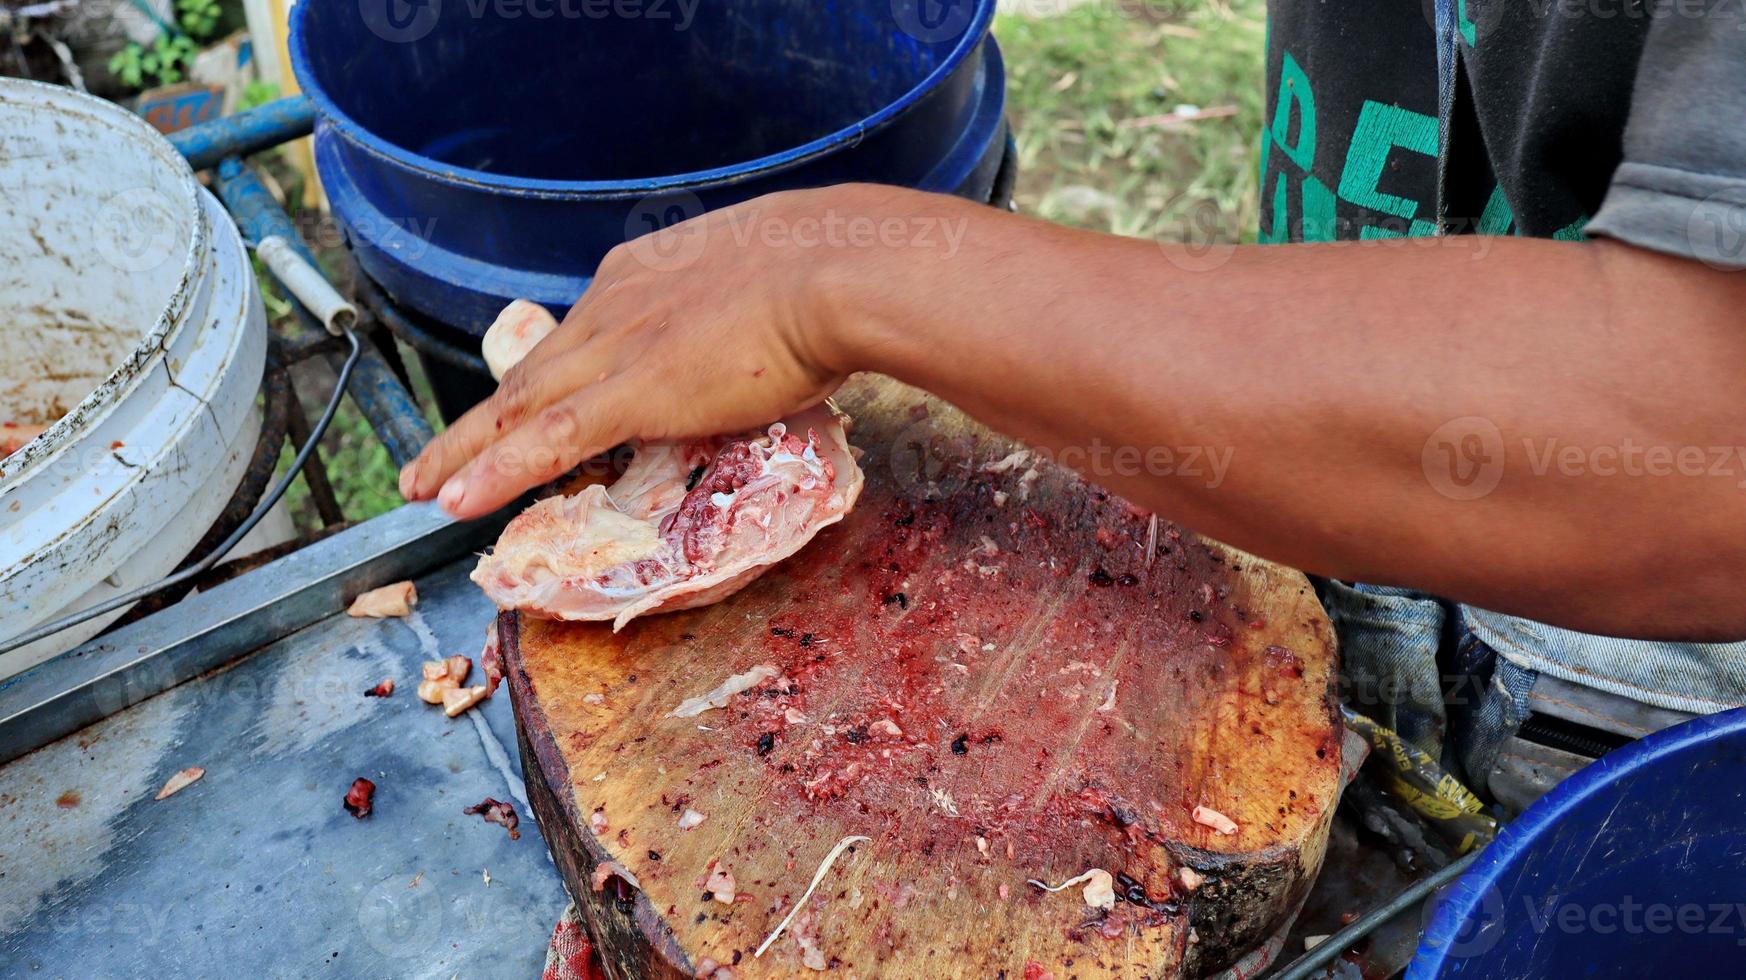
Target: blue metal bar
375	389
245	133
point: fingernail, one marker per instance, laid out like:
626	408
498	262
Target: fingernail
452	494
408	480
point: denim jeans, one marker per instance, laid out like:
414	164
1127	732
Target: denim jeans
1460	682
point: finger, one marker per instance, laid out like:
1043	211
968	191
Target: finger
526	390
548	445
557	365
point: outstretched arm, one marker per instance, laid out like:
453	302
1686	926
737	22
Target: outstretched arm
1544	428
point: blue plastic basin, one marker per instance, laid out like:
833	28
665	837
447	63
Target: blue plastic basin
1634	867
476	151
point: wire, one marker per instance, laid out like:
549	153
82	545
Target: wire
1330	948
224	547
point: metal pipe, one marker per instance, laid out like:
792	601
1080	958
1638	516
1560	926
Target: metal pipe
321	493
218	625
303	280
245	133
416	337
1329	949
376	391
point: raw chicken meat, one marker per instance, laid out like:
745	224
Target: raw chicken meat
650	544
689	523
518	329
388	602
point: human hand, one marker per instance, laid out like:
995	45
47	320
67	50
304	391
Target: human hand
691	331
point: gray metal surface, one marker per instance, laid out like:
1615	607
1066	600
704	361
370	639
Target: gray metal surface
208	630
256	870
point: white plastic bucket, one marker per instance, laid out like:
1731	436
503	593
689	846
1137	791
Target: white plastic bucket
130	319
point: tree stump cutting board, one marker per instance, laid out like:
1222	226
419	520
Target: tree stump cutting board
981	672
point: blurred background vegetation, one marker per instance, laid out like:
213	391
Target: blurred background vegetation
1136	117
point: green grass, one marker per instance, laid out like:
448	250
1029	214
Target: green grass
364	478
1085	90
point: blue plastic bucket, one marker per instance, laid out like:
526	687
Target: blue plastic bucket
1633	867
477	151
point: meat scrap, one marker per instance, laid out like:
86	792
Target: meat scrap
360	797
607	870
491	661
442	685
515	333
497	812
1099	891
720	884
458	700
180	781
690	818
382	690
723	692
390	601
1218	822
709	969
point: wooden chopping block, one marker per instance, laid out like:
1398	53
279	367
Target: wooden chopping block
980	671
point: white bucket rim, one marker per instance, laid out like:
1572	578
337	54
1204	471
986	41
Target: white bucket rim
67	102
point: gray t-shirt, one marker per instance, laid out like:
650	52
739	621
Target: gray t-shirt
1681	187
1546	118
